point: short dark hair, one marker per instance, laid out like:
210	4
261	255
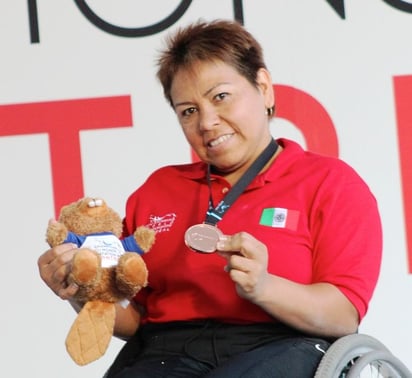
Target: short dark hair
222	40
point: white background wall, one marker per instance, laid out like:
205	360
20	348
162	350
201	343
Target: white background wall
347	65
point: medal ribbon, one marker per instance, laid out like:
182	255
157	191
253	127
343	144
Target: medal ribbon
215	214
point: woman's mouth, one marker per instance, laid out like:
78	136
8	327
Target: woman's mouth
220	140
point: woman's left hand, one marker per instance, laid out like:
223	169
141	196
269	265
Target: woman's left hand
247	263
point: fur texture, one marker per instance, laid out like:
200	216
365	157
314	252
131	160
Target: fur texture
99	287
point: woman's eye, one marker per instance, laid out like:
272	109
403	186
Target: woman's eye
188	112
221	96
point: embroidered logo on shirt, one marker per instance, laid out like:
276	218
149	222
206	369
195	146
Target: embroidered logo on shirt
162	223
278	217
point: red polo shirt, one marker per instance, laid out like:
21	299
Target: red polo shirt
316	216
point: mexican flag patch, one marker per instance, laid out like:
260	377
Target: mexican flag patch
278	217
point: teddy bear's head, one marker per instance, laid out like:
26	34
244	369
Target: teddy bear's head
90	215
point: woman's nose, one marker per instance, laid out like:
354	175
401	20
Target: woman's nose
208	118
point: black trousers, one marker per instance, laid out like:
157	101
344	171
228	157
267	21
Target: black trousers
216	350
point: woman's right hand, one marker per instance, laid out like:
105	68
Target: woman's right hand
54	267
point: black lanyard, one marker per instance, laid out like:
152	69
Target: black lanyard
215	214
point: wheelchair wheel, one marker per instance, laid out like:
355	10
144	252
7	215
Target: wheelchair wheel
360	355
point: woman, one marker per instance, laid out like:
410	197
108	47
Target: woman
297	235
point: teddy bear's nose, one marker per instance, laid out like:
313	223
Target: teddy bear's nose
95	202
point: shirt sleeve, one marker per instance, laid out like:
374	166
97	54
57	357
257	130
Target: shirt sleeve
347	237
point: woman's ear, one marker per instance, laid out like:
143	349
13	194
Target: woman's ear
264	81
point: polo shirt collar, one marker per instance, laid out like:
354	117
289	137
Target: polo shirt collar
291	152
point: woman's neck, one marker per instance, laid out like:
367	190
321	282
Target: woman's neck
233	177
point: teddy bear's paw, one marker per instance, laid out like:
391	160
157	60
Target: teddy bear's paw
131	274
56	233
145	237
86	267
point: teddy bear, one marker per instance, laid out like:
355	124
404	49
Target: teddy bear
107	270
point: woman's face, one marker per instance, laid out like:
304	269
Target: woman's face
223	116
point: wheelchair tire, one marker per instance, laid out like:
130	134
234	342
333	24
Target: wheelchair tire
343	351
386	363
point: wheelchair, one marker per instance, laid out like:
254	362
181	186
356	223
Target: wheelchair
360	355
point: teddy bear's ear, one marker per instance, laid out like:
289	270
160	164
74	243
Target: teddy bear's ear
91	332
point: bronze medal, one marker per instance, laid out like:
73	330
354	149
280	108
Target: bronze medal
202	237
